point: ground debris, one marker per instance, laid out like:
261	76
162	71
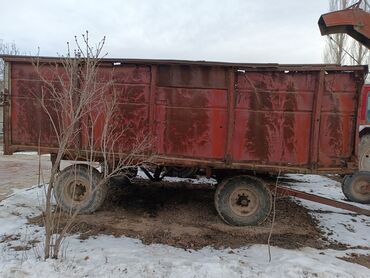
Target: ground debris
358	259
183	215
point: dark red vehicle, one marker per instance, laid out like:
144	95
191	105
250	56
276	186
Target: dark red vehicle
364	129
233	120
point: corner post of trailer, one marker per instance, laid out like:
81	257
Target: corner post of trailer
152	96
316	119
231	99
7	108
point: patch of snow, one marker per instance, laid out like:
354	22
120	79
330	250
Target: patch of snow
26	153
107	256
338	224
15	210
197	180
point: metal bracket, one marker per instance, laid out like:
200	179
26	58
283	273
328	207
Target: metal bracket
285	191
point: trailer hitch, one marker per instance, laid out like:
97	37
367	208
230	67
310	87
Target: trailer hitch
285	191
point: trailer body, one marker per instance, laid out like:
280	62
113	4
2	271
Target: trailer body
262	117
365	109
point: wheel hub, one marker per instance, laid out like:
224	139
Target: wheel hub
364	162
362	187
243	202
77	191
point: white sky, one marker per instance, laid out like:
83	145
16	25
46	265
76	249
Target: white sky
278	31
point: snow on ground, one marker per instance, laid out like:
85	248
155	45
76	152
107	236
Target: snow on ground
198	180
106	256
339	225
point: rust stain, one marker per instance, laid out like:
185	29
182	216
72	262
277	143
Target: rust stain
258	124
189	111
335	129
186	127
289	138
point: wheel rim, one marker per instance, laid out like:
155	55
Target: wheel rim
361	188
77	191
364	163
243	202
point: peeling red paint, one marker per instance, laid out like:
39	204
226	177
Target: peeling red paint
188	110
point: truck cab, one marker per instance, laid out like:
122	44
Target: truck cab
364	130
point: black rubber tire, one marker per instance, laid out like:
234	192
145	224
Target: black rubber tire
348	187
132	172
363	148
118	181
223	194
345	179
67	176
124	177
181	172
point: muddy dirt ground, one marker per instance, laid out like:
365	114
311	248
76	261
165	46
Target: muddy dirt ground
21	171
358	259
182	214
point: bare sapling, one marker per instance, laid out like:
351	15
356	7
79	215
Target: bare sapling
80	104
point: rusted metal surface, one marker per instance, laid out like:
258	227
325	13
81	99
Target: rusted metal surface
131	90
152	107
284	191
7	111
316	118
353	21
263	117
231	117
119	62
364	119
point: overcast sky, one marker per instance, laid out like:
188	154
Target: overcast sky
282	31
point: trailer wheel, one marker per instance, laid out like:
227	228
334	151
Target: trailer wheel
357	187
75	188
125	177
364	153
181	172
243	201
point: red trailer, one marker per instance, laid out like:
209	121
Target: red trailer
228	118
364	129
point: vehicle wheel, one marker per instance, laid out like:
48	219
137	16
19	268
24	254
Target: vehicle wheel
181	172
364	153
78	187
130	172
357	187
124	177
243	201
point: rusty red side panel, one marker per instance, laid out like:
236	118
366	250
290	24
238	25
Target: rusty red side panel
273	117
29	122
191	111
338	119
364	119
261	117
131	89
